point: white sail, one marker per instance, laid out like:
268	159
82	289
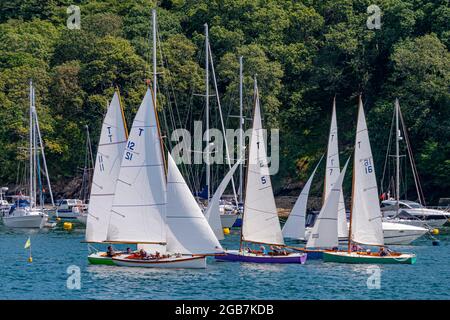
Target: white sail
324	234
260	220
332	173
212	213
295	224
113	138
138	209
188	229
366	213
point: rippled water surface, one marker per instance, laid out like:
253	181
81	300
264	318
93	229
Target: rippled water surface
55	250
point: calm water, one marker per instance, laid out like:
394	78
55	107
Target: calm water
55	250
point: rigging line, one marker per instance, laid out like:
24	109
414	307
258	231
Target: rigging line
173	121
413	164
387	153
221	119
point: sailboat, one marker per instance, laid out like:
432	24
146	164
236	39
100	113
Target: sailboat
260	223
401	210
111	146
365	217
25	212
151	208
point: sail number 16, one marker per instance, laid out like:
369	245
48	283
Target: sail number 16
368	168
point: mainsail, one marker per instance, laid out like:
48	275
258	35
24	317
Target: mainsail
366	221
111	145
295	224
332	173
138	209
324	234
188	229
212	213
260	219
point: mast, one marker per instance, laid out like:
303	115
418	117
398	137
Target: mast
154	52
208	169
397	158
227	151
43	153
31	143
241	123
255	97
349	240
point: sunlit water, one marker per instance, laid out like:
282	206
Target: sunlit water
55	250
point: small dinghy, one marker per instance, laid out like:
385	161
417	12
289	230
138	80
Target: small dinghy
260	223
111	146
365	216
154	209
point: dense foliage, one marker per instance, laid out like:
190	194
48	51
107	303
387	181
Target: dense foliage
304	52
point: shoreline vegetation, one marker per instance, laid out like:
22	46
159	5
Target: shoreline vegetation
305	53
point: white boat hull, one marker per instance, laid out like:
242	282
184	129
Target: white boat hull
428	224
189	262
228	220
393	233
27	221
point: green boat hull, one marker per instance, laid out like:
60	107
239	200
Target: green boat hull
100	260
360	259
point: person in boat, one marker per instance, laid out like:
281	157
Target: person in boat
263	250
334	249
129	251
383	252
157	255
368	252
110	251
142	253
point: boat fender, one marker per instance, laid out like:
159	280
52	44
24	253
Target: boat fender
67	226
435	231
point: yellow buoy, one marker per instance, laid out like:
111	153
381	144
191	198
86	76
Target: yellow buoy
30	259
226	230
67	226
435	231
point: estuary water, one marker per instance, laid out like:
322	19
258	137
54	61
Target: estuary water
57	251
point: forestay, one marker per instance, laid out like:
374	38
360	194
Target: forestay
138	210
366	213
111	145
